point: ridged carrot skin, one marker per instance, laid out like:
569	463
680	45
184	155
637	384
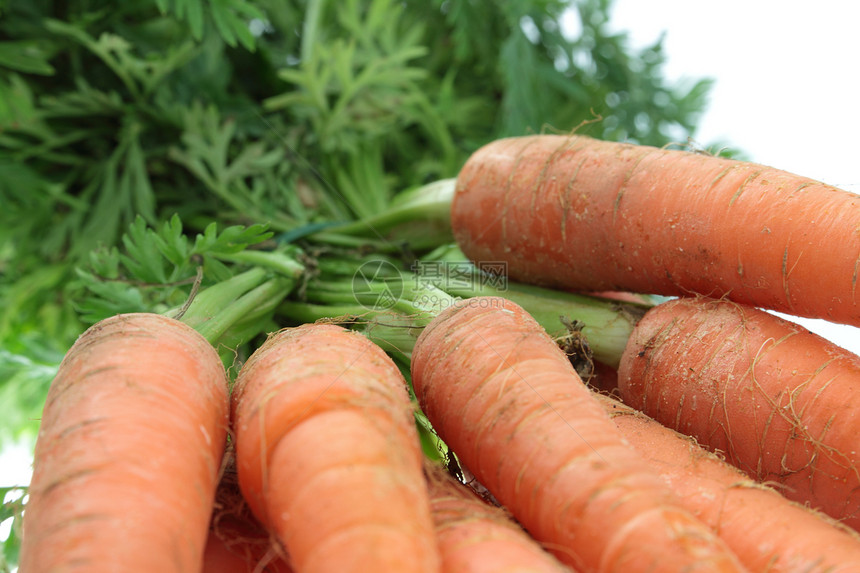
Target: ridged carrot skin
769	533
507	401
128	452
328	454
584	214
781	402
476	537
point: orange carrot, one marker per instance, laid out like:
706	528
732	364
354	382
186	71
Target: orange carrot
476	537
506	400
768	532
128	452
328	454
578	213
782	403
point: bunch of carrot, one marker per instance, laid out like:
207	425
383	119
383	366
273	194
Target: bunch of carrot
324	471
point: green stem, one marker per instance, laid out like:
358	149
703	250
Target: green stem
375	265
444	277
241	333
60	27
245	305
433	447
393	330
276	261
419	217
430	202
378	245
233	311
256	320
607	324
310	27
212	300
301	312
401	293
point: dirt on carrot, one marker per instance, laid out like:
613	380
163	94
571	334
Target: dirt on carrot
777	400
129	451
589	215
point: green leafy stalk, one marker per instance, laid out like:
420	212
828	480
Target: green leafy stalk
391	309
279	262
210	301
248	304
232	296
605	324
419	217
394	307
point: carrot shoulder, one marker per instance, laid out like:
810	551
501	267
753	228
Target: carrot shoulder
328	454
579	213
128	452
507	401
781	402
766	531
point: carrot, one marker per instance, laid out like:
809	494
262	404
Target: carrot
506	400
768	532
328	454
781	402
476	537
589	215
128	452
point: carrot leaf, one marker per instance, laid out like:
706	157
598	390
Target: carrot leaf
157	266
